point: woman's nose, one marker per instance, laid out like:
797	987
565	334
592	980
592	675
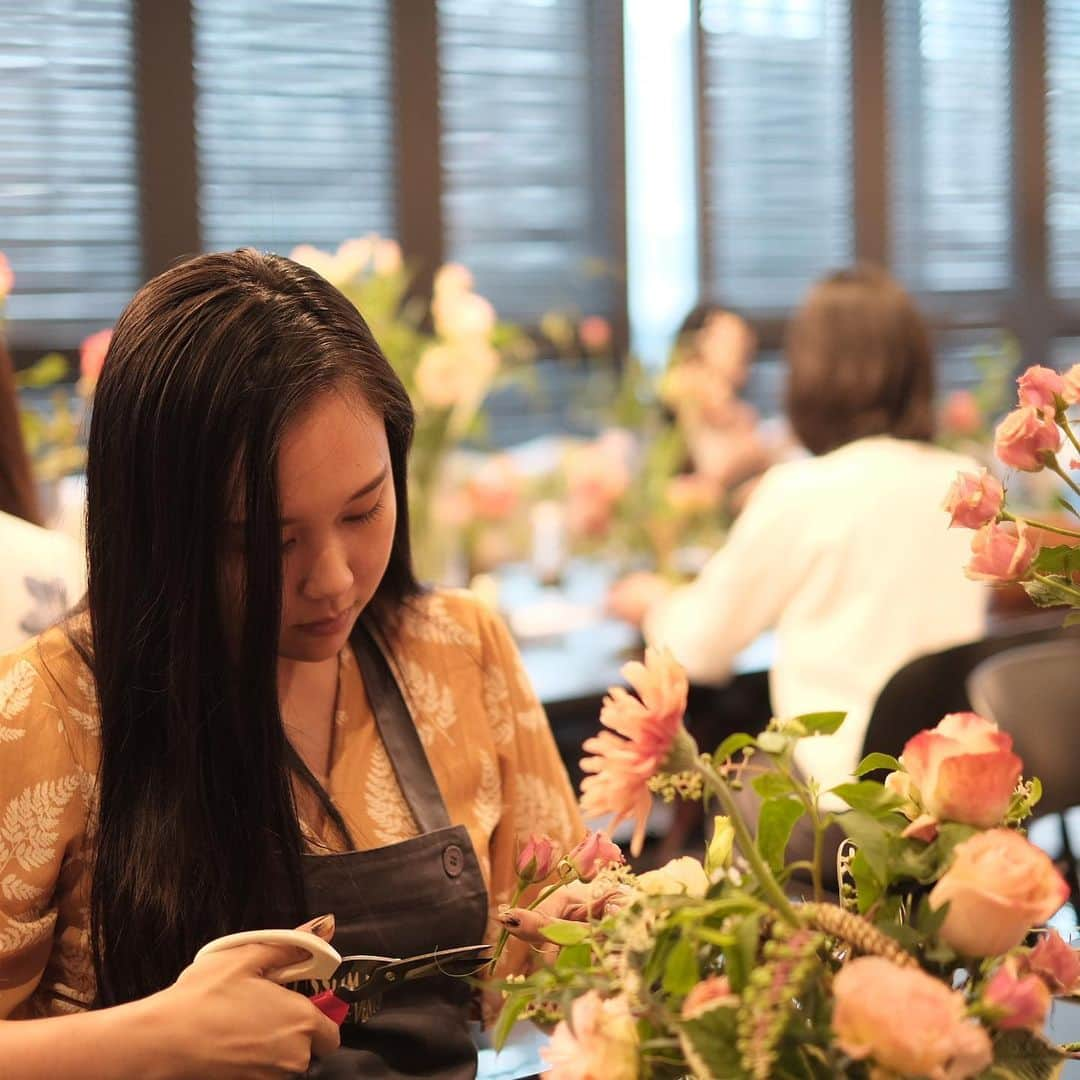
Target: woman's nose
329	575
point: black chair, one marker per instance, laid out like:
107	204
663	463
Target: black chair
928	687
1033	692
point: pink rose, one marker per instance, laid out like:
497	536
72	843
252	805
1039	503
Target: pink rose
537	859
711	993
7	277
599	1043
974	500
998	887
964	770
494	490
92	355
1024	1000
1025	437
1056	962
928	1036
595	333
961	415
1002	552
1040	387
1071	385
594	853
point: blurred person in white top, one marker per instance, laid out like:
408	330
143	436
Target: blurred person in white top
847	553
42	573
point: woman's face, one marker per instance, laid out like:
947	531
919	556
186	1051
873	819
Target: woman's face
338	511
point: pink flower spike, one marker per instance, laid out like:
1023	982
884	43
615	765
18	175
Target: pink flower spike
642	733
1040	387
1001	553
1024	438
537	859
974	500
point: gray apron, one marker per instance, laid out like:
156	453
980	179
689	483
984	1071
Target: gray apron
408	898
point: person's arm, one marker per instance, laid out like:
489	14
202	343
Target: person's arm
222	1018
741	591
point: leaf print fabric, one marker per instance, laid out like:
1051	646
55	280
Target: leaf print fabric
481	725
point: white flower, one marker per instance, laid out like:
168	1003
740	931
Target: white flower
684	876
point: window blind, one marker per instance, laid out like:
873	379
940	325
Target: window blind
1063	137
68	195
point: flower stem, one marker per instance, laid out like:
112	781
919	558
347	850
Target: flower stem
1075	593
504	936
1063	420
1060	530
1053	466
545	893
764	875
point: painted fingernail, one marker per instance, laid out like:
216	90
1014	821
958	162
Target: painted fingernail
324	924
508	920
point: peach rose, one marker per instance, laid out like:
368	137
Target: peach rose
1040	387
494	490
711	993
974	500
595	333
1056	962
1071	385
641	732
462	316
452	278
1025	437
998	887
961	414
1023	1000
928	1036
963	770
1001	553
592	854
447	376
7	277
537	859
600	1043
92	353
386	257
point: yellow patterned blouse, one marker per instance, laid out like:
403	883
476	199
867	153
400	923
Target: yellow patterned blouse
484	730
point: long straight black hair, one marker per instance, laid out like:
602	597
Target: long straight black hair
197	832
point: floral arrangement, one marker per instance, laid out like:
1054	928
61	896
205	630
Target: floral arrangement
1009	547
928	963
449	352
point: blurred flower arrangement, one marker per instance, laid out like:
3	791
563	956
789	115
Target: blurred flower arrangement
1012	547
966	420
450	353
54	436
926	966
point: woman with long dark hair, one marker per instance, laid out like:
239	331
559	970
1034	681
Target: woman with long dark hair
41	571
261	716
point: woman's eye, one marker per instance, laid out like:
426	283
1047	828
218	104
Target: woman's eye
288	544
366	516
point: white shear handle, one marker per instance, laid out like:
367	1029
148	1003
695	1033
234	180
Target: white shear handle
321	962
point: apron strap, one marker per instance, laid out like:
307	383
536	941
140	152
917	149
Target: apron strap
399	734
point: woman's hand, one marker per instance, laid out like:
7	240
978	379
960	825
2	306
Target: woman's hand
224	1018
575	902
631	598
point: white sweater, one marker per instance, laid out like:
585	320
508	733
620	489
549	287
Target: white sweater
42	573
849	557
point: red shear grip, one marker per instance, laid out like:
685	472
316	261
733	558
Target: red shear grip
331	1005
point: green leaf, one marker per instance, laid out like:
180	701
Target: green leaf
681	970
873	843
739	958
868	796
770	785
574	957
776	819
875	761
821	723
1062	559
563	932
732	745
710	1046
868	887
1051	591
512	1008
51	368
1022	1055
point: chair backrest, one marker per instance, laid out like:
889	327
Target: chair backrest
928	687
1033	692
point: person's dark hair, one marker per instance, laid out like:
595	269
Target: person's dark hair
18	495
860	362
197	833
